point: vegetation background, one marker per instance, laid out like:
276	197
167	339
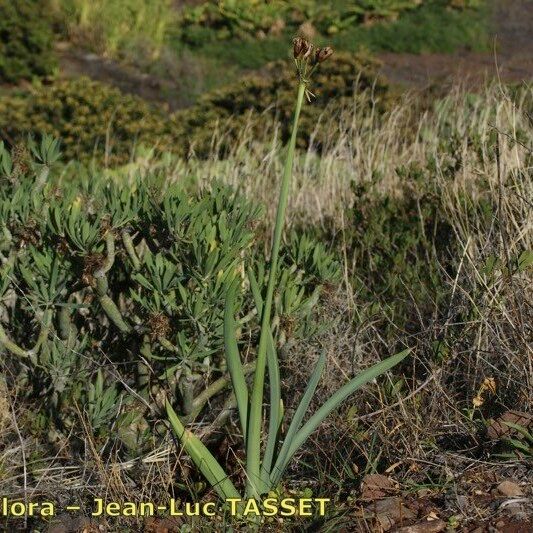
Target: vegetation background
141	149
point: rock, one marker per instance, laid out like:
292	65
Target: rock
427	526
390	511
509	489
376	486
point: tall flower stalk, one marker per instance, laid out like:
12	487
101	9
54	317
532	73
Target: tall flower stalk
255	421
264	474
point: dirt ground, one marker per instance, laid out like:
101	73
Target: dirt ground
479	500
511	59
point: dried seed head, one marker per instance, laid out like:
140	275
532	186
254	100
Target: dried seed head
28	234
21	160
321	54
298	47
308	50
307	58
91	263
302	49
159	325
62	246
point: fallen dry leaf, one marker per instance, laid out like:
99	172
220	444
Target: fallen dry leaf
390	511
375	486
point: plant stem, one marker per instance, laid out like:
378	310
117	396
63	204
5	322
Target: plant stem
109	307
254	484
130	249
11	346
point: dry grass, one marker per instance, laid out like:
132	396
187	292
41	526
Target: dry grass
486	323
363	145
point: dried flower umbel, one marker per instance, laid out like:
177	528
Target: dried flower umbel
298	47
307	58
321	54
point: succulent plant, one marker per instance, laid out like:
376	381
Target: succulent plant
103	279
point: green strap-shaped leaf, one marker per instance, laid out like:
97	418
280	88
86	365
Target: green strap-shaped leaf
255	422
275	415
521	429
233	358
301	410
202	458
256	292
336	399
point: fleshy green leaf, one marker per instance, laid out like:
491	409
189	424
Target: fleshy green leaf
233	358
202	458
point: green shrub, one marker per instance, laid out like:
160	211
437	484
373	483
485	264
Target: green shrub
433	27
373	25
270	94
133	273
251	19
26	40
399	242
92	119
95	120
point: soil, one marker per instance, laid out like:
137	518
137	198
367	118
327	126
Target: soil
511	60
477	501
130	80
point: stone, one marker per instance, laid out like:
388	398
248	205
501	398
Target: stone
509	489
390	511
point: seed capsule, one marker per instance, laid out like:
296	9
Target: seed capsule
308	50
321	54
298	47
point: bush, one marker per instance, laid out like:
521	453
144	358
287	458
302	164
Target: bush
246	19
433	27
26	40
92	119
271	95
398	242
133	273
95	120
367	25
